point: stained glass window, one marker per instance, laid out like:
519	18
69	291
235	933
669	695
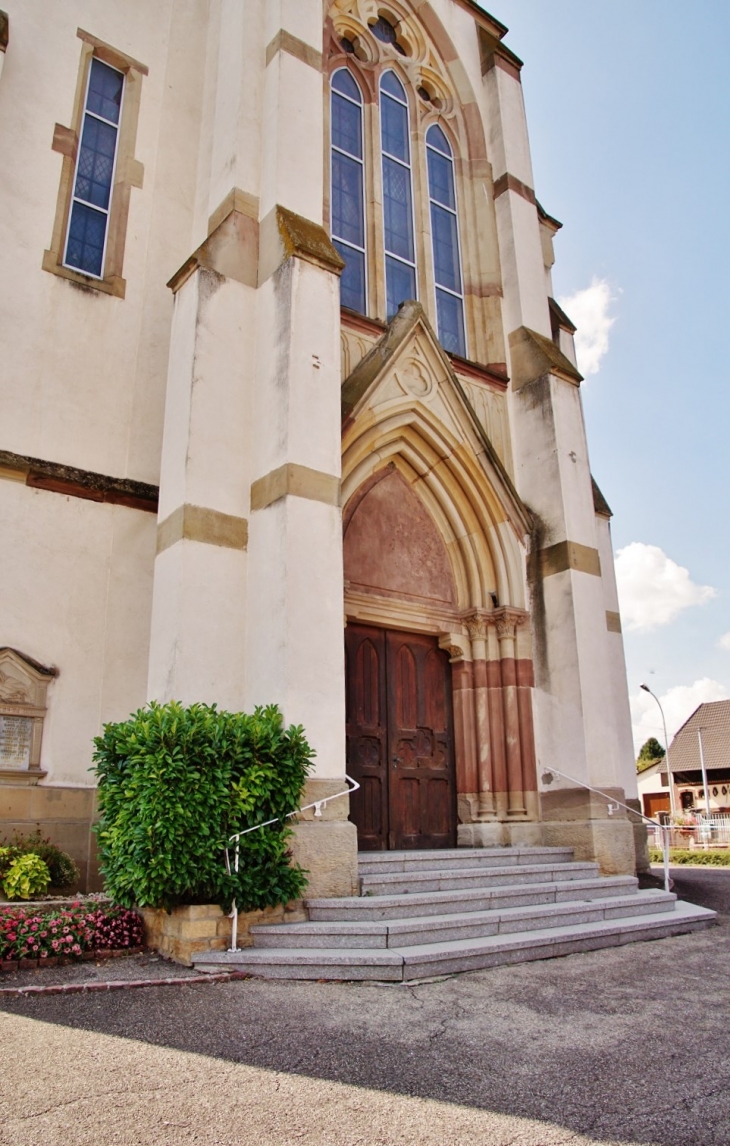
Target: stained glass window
400	258
445	242
88	223
348	207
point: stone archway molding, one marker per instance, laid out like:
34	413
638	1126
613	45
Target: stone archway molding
404	408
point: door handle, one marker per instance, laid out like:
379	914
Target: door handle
397	760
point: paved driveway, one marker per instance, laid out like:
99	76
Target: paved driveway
628	1045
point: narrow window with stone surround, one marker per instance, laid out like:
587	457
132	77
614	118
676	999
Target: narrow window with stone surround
348	188
445	242
99	169
400	256
97	155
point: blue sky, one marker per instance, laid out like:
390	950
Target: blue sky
628	105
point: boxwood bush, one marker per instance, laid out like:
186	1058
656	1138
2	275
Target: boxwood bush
709	858
176	782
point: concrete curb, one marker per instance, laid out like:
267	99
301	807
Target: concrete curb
120	985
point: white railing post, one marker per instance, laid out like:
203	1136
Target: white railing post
614	805
665	849
317	805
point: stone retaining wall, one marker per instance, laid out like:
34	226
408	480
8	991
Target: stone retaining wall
187	931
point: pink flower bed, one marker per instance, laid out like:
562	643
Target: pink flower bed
66	933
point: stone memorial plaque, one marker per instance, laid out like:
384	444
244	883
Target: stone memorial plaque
15	741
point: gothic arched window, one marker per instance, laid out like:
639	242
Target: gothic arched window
348	183
445	242
418	199
399	239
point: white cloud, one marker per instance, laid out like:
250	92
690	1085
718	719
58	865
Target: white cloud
678	703
652	588
724	642
588	309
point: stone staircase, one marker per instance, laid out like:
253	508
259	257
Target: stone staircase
426	913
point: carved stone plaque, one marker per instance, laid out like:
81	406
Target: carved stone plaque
16	735
23	687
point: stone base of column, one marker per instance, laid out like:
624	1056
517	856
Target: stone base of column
641	842
494	834
609	843
580	819
327	849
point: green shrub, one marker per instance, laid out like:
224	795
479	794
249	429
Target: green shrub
175	783
709	858
23	875
63	871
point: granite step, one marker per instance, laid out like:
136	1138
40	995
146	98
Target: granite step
378	907
447	958
450	927
410	883
448	859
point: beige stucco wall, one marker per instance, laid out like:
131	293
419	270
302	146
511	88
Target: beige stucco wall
87	387
77	582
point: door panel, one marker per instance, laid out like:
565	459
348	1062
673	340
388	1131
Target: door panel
399	740
367	741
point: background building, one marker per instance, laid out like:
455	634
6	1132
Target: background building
711	722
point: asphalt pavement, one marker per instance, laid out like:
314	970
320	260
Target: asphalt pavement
628	1045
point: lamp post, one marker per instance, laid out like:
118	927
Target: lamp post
704	775
672	807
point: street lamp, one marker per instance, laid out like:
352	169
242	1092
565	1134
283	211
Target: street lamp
672	807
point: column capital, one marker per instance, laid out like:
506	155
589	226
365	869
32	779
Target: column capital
507	620
476	623
456	645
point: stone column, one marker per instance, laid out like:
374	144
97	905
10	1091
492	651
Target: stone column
465	733
294	646
506	629
525	685
197	635
552	475
477	629
496	722
198	613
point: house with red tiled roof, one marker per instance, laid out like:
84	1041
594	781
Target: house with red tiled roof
706	734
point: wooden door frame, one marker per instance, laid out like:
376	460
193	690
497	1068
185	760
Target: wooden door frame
388	630
492	680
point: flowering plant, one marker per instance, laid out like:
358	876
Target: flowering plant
62	869
23	875
66	932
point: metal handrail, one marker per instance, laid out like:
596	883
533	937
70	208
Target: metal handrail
318	805
613	806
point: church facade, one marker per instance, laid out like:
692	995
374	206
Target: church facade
289	414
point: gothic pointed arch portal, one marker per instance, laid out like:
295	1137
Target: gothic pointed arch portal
434	552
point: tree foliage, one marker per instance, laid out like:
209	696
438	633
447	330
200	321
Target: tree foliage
650	751
176	782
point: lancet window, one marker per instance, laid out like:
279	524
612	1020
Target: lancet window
445	241
348	194
417	198
400	255
89	216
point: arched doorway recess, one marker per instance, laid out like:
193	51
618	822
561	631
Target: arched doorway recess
434	545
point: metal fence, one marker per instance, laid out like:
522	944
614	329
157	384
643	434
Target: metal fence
696	833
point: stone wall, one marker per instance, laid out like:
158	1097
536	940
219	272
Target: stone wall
186	931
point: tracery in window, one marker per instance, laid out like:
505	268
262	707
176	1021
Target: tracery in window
384	31
348	213
399	241
89	218
445	242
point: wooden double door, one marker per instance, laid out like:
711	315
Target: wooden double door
399	739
